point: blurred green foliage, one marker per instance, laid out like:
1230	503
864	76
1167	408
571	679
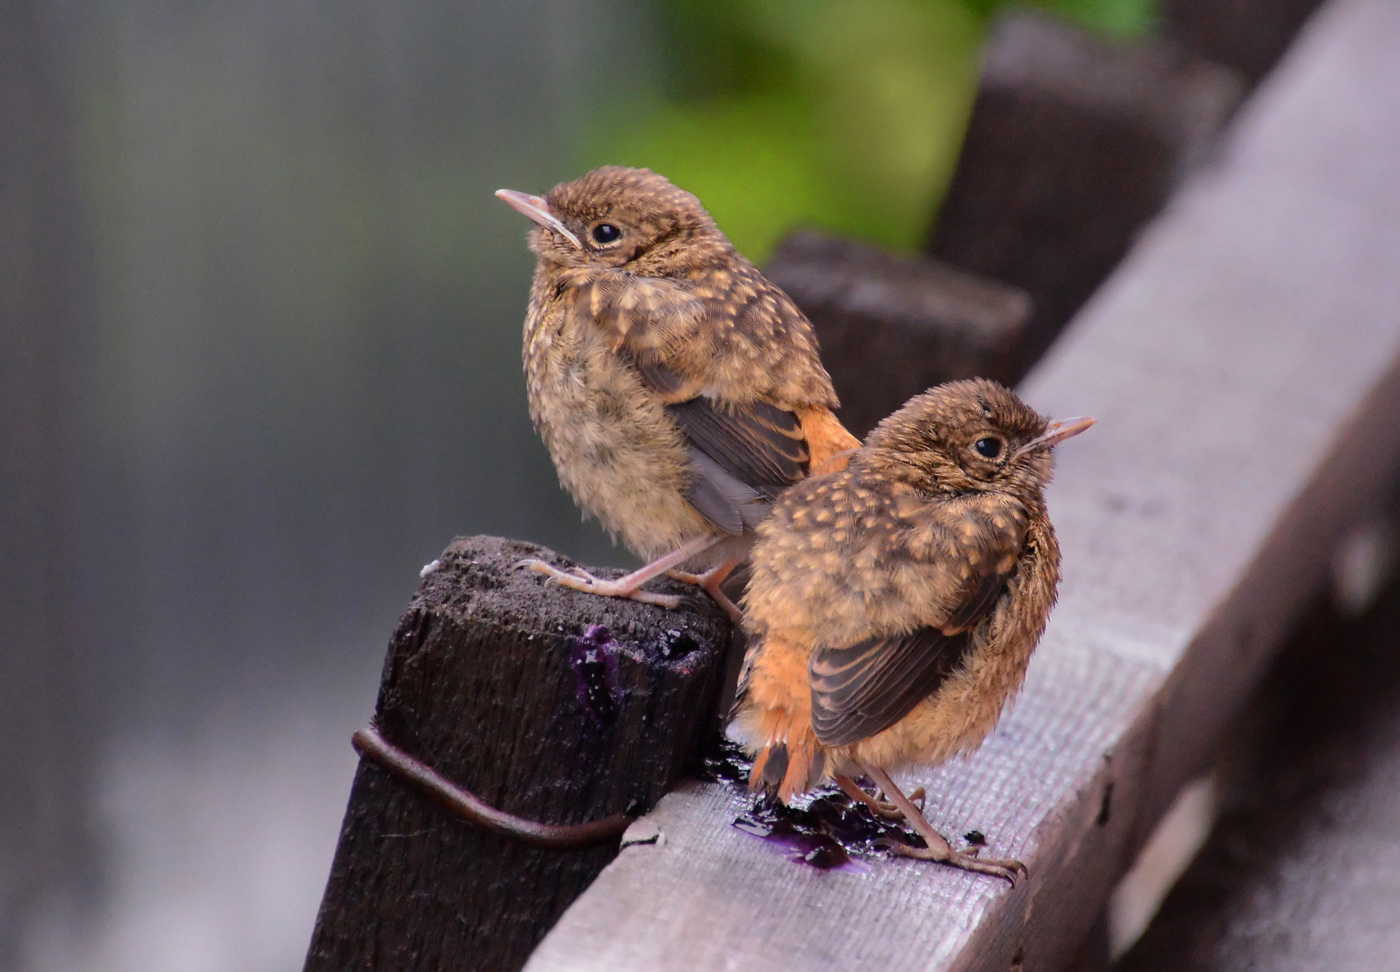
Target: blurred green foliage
841	114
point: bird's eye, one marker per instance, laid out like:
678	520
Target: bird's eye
606	233
988	447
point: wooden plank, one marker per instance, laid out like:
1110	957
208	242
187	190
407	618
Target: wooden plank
1244	364
1299	874
913	322
502	683
1073	144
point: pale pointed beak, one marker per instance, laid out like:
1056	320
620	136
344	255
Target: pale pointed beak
537	209
1055	433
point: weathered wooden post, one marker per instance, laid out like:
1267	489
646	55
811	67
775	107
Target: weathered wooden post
1074	143
548	704
892	326
1247	35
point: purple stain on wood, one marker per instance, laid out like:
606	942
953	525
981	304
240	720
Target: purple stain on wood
594	661
814	849
825	831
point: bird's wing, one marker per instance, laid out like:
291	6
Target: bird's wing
868	687
744	450
743	455
864	688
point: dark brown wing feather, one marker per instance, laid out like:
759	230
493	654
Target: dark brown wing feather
868	687
743	456
724	501
758	444
752	449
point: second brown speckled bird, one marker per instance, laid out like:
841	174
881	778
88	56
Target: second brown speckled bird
677	390
893	606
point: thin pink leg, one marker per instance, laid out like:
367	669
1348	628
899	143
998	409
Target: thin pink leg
710	582
629	584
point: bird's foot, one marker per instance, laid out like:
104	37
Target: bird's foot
889	810
881	808
943	853
710	582
938	848
579	579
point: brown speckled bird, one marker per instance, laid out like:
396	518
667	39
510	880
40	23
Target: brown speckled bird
677	390
893	606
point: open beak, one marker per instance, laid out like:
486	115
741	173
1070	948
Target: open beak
537	209
1055	433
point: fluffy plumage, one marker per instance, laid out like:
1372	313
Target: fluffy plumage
893	605
677	390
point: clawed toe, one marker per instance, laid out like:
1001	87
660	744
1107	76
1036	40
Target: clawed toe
558	574
1008	868
579	579
936	846
881	808
889	811
886	810
710	582
671	602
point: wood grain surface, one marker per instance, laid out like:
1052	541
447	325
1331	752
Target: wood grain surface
1244	365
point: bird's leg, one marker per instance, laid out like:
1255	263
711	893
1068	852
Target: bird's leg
919	797
881	808
710	581
938	848
629	585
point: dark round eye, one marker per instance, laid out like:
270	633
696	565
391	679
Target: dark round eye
989	447
606	233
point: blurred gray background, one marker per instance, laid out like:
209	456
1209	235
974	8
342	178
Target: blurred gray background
293	310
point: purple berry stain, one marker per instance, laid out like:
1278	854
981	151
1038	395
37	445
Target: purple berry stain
825	829
594	661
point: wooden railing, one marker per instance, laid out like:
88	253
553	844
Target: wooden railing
1244	364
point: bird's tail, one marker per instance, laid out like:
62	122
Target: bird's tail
789	762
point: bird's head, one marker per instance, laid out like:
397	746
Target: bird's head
967	436
616	217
